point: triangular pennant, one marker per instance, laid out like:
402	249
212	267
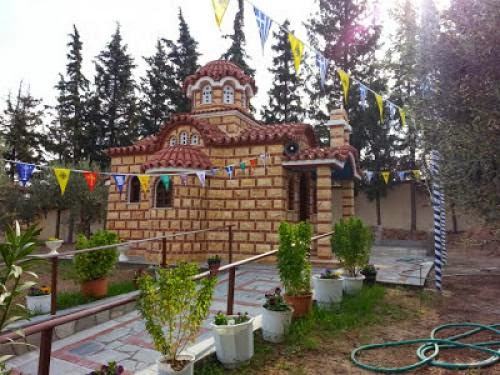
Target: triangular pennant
243	166
369	176
213	172
91	179
24	171
264	24
362	95
380	104
385	176
263	157
402	116
144	180
416	173
344	81
392	110
165	180
322	64
253	164
230	171
184	179
220	7
201	176
62	176
297	48
119	181
402	175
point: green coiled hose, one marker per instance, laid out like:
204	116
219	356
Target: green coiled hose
432	346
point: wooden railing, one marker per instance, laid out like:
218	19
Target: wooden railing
46	328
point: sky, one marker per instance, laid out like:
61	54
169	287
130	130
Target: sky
34	34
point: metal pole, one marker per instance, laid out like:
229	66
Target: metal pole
45	350
53	286
164	252
232	276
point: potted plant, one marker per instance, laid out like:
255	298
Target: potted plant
38	299
351	243
53	244
93	267
110	369
214	263
276	317
294	266
370	273
233	335
174	307
328	287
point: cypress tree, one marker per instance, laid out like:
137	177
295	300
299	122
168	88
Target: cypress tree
284	96
156	87
236	52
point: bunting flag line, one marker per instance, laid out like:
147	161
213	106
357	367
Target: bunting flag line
385	176
264	24
369	176
344	80
392	110
201	176
119	181
184	179
62	177
322	64
220	7
402	175
362	96
230	171
402	116
144	180
380	104
165	180
243	166
24	171
91	179
297	47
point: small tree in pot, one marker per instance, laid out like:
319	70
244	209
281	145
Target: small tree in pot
92	268
174	307
294	266
351	243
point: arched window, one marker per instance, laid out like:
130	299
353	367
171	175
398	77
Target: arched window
173	141
291	193
163	196
207	95
134	190
183	138
195	139
228	95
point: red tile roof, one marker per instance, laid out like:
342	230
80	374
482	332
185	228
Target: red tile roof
317	153
219	69
179	156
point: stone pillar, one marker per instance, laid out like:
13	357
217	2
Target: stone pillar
324	202
347	198
339	127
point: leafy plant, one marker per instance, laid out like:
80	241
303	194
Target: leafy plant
110	369
94	265
222	319
275	302
351	243
329	274
293	257
369	270
213	260
174	307
35	291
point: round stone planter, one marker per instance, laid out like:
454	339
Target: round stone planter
275	324
164	367
327	291
38	304
352	285
233	343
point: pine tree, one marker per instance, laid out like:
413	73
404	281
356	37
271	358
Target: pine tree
19	128
284	96
67	135
236	52
115	102
156	87
183	56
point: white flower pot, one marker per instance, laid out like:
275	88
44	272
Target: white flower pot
54	245
353	285
165	369
123	250
38	304
275	324
327	291
233	343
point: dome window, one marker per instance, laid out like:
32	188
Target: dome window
183	139
173	141
195	139
228	95
207	95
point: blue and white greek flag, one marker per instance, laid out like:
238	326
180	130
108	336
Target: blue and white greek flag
392	110
362	96
264	24
322	64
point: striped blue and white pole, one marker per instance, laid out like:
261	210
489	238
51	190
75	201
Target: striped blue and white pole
436	199
443	227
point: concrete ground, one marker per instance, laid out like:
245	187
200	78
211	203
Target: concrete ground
125	340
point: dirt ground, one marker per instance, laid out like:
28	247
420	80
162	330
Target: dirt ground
472	298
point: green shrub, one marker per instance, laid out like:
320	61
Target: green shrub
94	265
293	257
351	243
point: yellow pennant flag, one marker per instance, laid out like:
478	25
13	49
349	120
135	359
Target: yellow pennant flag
402	116
416	173
220	7
380	103
297	48
62	176
144	180
344	80
385	175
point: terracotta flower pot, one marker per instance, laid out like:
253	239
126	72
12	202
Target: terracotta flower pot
95	288
302	304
